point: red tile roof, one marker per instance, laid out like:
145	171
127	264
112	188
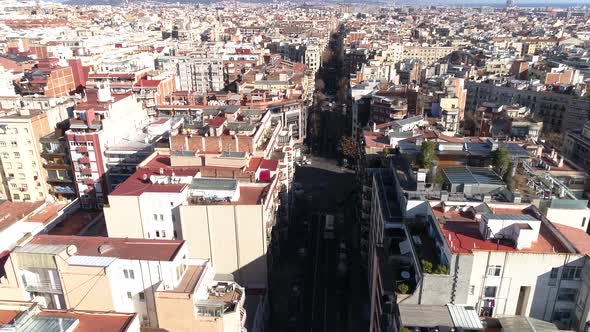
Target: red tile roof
253	164
124	248
269	164
216	121
579	238
461	232
147	84
11	212
7	316
135	185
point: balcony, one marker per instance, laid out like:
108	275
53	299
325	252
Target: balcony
84	160
89	182
85	170
43	287
54	152
59	179
56	165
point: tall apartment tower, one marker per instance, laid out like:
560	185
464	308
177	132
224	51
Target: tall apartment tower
510	3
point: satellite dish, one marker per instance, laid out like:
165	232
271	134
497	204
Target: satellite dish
152	179
71	250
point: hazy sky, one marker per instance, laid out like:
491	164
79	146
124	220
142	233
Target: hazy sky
494	2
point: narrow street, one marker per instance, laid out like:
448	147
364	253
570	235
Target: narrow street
320	279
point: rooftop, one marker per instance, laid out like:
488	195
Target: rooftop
472	175
11	212
123	248
92	321
28	317
461	231
75	223
189	281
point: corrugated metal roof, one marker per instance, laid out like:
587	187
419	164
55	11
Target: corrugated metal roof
465	317
524	217
91	260
48	324
47	249
472	175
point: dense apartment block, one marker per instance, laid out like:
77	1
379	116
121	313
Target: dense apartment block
177	197
103	120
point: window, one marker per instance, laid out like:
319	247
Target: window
141	296
13	185
129	274
26	130
5	155
494	270
490	291
571	273
155	217
171	203
583	221
14	144
16	155
163	233
27	197
175	235
553	276
561	314
129	296
2	144
173	218
16	196
161	217
157	233
567	294
471	289
19	165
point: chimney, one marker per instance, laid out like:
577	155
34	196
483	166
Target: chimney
89	116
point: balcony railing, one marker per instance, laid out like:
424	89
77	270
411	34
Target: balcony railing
43	287
82	149
86	170
84	160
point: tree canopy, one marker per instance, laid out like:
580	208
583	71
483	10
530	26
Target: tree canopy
427	153
350	147
500	160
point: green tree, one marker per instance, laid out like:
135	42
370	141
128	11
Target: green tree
500	160
350	147
426	266
403	288
427	153
441	269
405	329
